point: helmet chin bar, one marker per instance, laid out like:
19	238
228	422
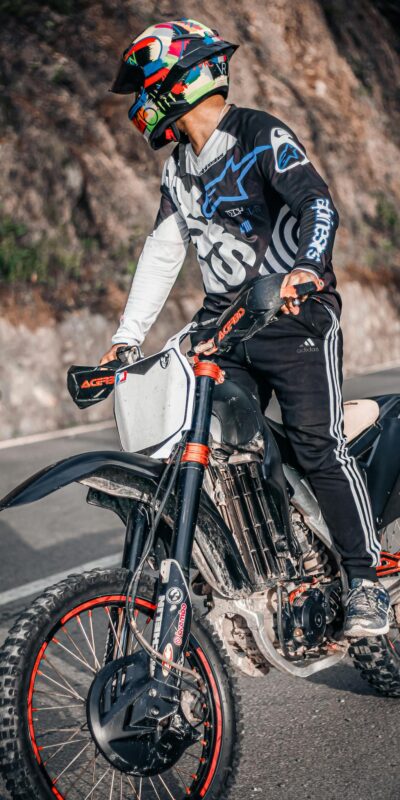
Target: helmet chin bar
158	138
179	135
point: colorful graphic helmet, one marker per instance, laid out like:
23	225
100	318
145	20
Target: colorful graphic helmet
170	68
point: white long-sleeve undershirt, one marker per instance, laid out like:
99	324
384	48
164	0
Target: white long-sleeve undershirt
157	270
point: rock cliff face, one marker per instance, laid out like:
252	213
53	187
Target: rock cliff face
79	188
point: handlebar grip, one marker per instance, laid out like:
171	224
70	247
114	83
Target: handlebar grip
298	290
305	288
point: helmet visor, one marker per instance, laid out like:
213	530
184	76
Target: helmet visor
144	113
129	78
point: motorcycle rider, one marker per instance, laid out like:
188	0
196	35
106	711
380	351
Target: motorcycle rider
240	187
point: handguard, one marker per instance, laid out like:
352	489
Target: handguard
256	305
90	385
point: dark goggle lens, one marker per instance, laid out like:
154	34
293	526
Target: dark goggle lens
129	79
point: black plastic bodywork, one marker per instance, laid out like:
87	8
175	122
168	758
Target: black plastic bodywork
377	451
118	472
76	468
238	413
381	460
90	385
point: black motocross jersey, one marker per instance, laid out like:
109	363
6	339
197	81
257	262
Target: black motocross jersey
251	203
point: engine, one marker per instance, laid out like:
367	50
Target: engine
309	614
298	589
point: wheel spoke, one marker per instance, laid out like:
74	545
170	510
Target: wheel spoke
181	777
77	658
74	644
62	677
71	762
76	732
52	694
98	782
141	633
116	639
72	693
155	790
59	730
166	787
112	785
80	773
132	786
80	623
62	744
96	661
58	708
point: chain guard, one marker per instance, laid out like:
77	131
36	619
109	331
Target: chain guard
135	725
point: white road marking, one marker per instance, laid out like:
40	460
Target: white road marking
77	430
36	587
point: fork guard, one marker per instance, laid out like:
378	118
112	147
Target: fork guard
116	480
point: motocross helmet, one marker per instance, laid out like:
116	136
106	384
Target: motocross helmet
170	68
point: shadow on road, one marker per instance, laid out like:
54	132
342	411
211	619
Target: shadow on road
343	678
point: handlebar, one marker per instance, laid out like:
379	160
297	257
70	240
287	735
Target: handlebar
256	306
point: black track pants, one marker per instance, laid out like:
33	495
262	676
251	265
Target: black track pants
301	359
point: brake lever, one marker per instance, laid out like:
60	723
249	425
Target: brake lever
128	355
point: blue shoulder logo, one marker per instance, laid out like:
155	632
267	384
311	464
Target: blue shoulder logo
211	201
287	153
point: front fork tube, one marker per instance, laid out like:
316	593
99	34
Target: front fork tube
174	608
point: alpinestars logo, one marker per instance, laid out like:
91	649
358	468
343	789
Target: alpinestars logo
308	346
322	228
235	174
288	154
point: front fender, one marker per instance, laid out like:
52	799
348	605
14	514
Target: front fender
117	477
77	468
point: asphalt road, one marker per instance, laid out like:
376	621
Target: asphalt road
319	739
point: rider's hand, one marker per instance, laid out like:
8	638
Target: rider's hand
293	279
206	348
111	354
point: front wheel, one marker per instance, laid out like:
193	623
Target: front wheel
48	665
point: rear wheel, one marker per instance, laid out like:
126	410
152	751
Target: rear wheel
378	659
48	664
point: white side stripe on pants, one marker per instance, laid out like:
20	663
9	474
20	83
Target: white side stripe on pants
357	486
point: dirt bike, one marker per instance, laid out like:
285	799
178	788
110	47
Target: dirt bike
118	683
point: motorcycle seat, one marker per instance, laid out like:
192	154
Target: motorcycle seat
358	416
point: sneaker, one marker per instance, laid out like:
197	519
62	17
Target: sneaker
368	607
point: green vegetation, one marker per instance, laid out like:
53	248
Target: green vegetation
387	220
21	260
18	261
385	229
